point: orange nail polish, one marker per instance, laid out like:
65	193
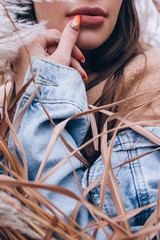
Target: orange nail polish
85	77
76	22
83	60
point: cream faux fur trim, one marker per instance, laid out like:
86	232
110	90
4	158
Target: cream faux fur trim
10	38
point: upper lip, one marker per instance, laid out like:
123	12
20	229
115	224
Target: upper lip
95	11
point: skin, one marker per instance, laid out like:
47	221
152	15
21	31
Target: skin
89	38
68	50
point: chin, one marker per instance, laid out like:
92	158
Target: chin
89	41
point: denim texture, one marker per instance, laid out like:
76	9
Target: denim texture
138	181
63	95
60	99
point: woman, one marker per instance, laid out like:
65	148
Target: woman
106	33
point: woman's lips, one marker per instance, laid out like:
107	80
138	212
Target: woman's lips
88	21
89	16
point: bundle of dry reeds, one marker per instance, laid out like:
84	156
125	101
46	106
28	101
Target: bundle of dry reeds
26	214
23	209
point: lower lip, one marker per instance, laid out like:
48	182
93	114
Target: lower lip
91	21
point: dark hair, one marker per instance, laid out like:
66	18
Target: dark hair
109	61
123	44
27	15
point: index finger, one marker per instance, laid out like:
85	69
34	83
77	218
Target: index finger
68	39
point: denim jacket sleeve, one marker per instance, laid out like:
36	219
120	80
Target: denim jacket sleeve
63	95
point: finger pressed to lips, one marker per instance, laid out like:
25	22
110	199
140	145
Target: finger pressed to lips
53	36
68	39
61	48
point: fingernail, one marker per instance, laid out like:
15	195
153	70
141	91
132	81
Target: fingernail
76	22
83	60
85	77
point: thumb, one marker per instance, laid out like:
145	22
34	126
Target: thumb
67	41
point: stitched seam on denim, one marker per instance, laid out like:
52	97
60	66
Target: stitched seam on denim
145	187
141	187
138	184
95	192
137	217
43	81
124	143
46	84
136	178
129	153
110	210
50	101
53	64
139	181
96	195
120	142
146	195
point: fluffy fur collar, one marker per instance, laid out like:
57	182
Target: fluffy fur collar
10	41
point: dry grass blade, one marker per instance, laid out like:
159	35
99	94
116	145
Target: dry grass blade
118	231
40	212
157	5
7	153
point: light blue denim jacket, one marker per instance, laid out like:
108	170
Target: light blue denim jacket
63	95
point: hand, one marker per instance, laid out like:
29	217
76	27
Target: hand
47	46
